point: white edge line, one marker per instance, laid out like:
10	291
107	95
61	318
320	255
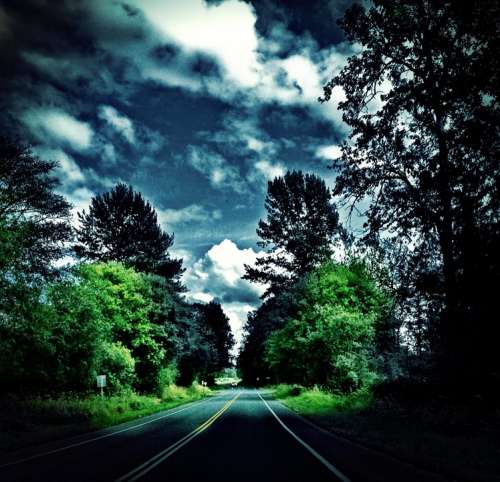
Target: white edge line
87	441
325	462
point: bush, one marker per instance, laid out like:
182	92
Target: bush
173	392
117	363
167	376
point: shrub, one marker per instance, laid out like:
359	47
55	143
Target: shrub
167	376
117	363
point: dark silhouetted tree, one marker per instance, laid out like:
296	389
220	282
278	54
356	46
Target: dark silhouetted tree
208	343
300	231
34	220
422	102
121	226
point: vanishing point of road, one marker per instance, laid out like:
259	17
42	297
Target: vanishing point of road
239	435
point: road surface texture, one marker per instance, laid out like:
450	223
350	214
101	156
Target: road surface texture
240	435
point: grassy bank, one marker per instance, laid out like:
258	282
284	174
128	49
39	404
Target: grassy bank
25	422
444	437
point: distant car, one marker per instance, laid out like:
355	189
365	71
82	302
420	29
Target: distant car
234	384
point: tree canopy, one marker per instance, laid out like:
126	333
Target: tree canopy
121	226
300	231
34	220
421	98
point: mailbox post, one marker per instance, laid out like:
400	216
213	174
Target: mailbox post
101	383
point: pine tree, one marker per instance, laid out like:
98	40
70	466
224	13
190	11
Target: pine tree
301	229
121	226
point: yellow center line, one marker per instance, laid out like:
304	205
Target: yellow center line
157	459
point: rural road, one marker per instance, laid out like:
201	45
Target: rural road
240	435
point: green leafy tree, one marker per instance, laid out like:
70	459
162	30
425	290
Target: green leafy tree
330	341
126	303
117	362
301	228
272	315
422	102
34	227
121	226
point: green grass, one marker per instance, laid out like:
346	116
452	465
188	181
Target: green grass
36	420
314	401
439	436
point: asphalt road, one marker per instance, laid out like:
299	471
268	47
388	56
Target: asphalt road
240	435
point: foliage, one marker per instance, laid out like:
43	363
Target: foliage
314	401
34	221
167	376
301	227
270	316
421	97
207	344
122	226
124	298
330	341
117	363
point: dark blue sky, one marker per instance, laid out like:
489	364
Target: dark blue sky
195	104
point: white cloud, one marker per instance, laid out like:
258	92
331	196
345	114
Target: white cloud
61	127
217	275
80	199
121	123
269	170
219	172
188	214
68	171
329	152
225	30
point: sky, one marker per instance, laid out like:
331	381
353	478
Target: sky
195	104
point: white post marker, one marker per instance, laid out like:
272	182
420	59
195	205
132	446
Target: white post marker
101	382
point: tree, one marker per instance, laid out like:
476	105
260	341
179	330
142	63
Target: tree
301	228
330	340
219	332
34	220
209	341
272	315
34	227
125	300
422	102
121	226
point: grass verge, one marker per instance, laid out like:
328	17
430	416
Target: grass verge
444	437
32	421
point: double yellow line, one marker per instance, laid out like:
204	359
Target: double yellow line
150	464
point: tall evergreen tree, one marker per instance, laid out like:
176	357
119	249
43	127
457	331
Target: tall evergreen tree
121	226
301	228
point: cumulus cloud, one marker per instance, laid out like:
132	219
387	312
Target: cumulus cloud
60	126
225	30
188	214
218	274
119	122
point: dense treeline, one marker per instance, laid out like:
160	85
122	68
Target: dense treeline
120	311
421	99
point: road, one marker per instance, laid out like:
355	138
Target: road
240	435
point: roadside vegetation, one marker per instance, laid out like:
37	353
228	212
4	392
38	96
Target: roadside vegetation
385	330
448	437
35	420
118	309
